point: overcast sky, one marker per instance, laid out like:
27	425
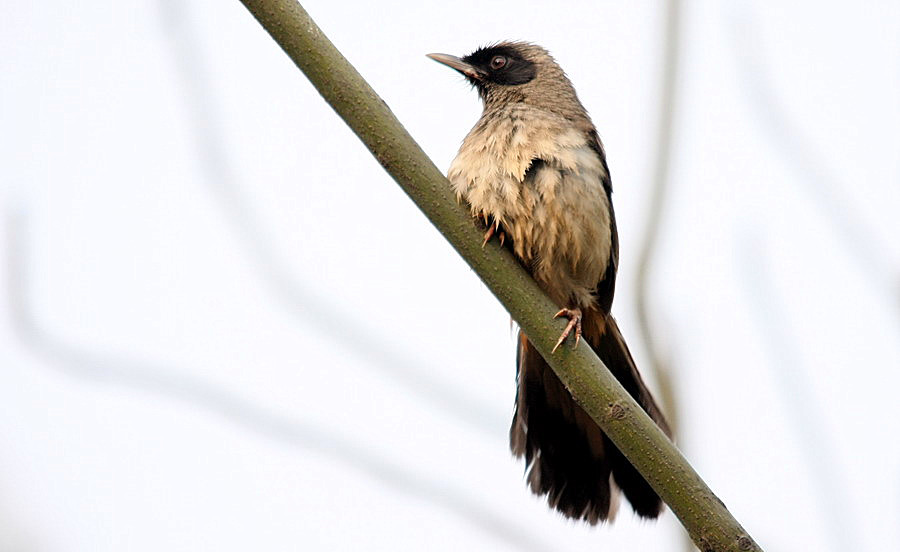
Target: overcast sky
225	327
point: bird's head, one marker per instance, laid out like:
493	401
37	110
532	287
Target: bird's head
510	72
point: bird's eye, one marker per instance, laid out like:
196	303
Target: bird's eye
498	62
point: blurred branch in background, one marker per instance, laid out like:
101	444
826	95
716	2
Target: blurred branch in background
591	384
99	368
660	362
812	170
374	350
803	412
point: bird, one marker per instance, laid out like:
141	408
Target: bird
533	171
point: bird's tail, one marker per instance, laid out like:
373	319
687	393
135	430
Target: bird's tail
567	456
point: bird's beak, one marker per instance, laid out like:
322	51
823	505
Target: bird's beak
458	64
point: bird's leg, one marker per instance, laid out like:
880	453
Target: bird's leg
493	227
574	316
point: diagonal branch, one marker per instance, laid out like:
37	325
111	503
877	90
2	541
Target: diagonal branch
706	518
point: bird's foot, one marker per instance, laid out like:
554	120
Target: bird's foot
574	316
493	228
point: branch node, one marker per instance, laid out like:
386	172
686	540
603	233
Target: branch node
617	411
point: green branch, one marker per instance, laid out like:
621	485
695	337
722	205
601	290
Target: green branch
705	517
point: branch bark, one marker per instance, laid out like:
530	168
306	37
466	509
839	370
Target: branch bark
705	517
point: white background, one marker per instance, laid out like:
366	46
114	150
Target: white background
224	327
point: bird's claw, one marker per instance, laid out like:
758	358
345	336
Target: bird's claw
488	235
493	228
574	316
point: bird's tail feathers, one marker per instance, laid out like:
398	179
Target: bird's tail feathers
567	456
605	338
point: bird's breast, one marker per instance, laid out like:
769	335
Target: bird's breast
541	180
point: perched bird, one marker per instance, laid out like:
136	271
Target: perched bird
534	171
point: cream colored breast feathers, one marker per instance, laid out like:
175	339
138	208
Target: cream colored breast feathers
537	176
